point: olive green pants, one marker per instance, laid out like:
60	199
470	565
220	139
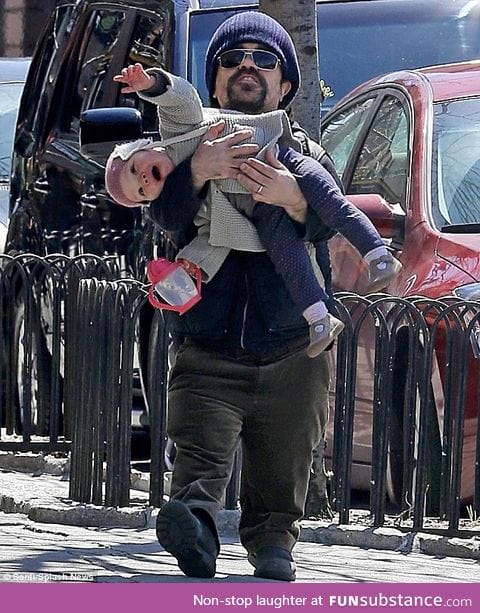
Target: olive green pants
278	410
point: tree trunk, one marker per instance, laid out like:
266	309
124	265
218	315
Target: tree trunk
299	19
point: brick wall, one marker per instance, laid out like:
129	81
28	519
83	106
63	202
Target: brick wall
21	22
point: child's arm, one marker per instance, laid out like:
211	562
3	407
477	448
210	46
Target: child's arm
179	105
330	205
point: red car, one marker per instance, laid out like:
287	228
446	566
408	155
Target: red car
407	146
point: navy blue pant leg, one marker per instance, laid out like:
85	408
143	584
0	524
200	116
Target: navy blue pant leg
289	255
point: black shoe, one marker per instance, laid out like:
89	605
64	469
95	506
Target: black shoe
188	539
273	563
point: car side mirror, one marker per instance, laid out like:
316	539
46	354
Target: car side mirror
101	129
388	219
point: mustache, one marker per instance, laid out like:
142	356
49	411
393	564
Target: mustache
250	71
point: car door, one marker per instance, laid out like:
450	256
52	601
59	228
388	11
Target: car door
63	207
369	142
36	110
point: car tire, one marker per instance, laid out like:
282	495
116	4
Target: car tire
34	419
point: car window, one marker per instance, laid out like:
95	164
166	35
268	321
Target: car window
340	135
117	38
43	73
150	45
383	161
9	97
456	163
363	39
104	31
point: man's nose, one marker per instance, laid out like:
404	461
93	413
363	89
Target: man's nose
248	60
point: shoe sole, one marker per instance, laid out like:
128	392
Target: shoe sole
178	532
316	348
277	569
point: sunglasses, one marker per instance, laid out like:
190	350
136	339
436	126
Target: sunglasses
264	60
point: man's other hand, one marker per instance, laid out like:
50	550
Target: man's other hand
272	183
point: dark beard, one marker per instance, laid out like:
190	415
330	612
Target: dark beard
237	103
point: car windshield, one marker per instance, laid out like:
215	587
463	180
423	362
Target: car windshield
456	164
363	39
9	98
368	39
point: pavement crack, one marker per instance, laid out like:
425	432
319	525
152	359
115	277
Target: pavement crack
43	531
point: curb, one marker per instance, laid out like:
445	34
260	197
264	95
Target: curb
54	507
385	538
54	511
34	463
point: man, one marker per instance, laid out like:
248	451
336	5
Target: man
241	371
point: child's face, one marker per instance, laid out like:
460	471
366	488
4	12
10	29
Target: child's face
144	175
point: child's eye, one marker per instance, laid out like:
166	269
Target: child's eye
133	170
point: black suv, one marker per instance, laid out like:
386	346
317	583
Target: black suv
57	199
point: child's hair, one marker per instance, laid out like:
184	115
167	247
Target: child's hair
116	162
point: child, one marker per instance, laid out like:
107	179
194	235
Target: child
136	172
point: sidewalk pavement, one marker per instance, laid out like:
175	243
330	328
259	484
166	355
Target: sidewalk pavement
46	537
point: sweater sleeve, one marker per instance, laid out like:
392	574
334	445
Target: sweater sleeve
178	104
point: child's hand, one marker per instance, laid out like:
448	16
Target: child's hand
136	79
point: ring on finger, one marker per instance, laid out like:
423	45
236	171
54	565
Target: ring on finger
259	190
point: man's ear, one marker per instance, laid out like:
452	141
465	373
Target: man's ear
285	87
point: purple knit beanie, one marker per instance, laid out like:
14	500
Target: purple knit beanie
253	27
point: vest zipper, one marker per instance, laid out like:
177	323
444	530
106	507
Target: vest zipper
244	316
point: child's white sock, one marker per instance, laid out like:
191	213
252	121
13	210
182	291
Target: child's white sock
315	312
376	253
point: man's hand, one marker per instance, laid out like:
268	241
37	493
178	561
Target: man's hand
220	157
272	183
136	78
